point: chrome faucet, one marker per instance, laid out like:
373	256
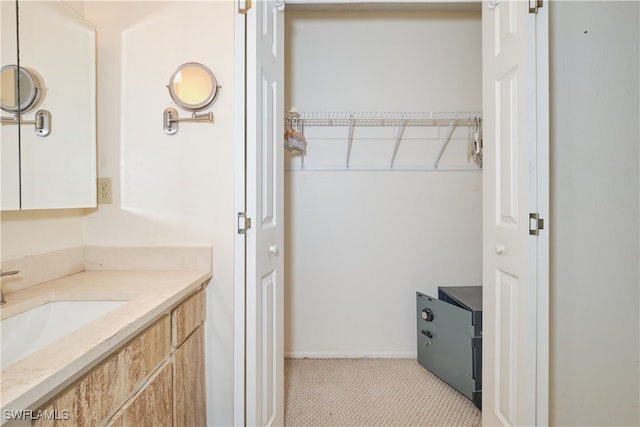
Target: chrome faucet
2	274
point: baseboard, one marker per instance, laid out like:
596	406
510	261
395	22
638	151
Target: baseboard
350	354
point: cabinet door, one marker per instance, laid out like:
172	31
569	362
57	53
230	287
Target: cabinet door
59	170
100	393
90	399
190	402
58	47
151	407
10	172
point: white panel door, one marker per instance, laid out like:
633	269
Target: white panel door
510	189
265	203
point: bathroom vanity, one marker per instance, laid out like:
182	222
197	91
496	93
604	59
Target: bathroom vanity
141	363
155	379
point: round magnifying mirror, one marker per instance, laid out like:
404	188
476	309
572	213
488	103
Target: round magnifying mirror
193	86
30	89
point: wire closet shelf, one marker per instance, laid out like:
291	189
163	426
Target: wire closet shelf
296	121
389	118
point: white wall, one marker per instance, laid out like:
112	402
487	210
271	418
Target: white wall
169	190
36	232
360	244
594	278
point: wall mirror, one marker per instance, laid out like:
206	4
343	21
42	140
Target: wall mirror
193	87
21	90
57	88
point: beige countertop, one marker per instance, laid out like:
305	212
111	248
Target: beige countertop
34	379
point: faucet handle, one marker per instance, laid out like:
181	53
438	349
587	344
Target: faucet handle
8	273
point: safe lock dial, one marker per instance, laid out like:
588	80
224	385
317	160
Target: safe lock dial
427	314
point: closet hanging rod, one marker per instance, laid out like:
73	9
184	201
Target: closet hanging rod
350	118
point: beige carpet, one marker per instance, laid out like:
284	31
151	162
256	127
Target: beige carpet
371	392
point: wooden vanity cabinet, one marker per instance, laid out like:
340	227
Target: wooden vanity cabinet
188	362
152	405
156	379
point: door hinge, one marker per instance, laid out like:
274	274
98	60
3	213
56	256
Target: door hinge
244	223
476	342
535	224
536	4
244	6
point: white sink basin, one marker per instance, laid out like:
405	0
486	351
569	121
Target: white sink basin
29	331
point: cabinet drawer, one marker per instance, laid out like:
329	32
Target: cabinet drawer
187	317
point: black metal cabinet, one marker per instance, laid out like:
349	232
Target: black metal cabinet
449	331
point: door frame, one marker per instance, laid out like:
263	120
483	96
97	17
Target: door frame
542	184
240	203
543	328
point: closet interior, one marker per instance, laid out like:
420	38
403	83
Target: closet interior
383	170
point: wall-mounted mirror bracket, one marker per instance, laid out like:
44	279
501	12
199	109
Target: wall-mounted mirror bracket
171	119
42	122
193	87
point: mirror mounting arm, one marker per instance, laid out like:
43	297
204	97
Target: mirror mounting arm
171	119
42	122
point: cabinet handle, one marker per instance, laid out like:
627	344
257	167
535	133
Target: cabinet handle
427	333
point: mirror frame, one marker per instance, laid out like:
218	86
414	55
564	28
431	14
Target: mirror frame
209	100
